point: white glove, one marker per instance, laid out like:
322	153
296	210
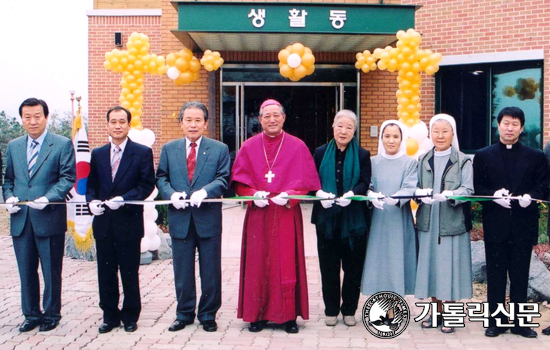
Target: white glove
524	200
442	197
39	203
328	203
115	203
260	203
177	200
343	201
424	192
376	201
279	200
390	201
96	207
504	202
197	197
10	205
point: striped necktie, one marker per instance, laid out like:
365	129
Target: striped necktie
34	156
115	162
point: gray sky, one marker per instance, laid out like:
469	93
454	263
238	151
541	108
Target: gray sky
44	53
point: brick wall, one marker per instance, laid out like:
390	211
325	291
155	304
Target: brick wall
459	27
104	86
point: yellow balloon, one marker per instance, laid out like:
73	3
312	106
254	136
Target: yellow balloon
171	59
382	65
431	69
283	55
392	64
181	64
107	65
310	70
298	48
285	71
300	72
125	104
194	65
308	60
411	144
186	54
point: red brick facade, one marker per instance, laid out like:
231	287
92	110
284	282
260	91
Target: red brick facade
449	27
464	27
104	86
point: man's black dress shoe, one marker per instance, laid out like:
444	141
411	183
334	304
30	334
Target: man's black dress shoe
130	327
107	327
209	326
524	332
546	331
48	325
494	331
291	327
29	325
255	327
178	325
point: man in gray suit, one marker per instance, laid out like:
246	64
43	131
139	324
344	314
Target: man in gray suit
40	169
199	167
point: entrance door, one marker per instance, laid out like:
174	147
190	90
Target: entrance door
309	109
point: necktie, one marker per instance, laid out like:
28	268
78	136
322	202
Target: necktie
115	162
191	161
34	155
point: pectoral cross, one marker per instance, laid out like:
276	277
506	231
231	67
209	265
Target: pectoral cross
269	176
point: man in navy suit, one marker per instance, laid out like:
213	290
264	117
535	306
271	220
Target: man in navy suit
122	170
199	167
510	226
40	168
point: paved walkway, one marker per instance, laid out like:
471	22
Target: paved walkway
82	316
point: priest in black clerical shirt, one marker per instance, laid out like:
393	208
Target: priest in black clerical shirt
510	226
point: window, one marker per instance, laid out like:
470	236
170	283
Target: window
474	94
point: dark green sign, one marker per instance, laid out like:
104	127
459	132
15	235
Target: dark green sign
261	17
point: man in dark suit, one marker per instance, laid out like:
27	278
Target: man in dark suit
40	168
510	226
196	166
122	170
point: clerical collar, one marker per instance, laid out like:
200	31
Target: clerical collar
272	137
442	153
511	147
392	156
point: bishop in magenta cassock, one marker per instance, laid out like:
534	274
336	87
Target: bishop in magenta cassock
273	164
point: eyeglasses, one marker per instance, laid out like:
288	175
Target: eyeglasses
442	133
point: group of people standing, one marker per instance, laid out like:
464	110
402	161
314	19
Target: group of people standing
383	251
431	259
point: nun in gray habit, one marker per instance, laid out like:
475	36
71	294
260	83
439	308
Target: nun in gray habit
444	270
390	263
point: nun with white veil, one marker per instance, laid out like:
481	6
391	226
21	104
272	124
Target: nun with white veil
444	270
390	263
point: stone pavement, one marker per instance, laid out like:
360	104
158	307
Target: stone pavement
82	316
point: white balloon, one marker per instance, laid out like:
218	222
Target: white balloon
135	135
426	145
147	207
155	193
145	244
155	243
294	60
148	137
173	73
150	215
150	229
419	132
